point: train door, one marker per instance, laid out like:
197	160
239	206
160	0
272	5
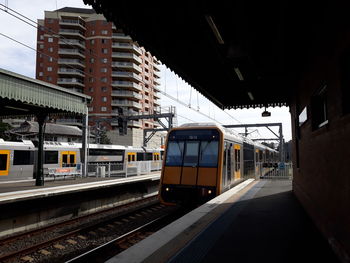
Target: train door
4	162
229	162
131	157
257	163
68	158
237	157
226	168
156	157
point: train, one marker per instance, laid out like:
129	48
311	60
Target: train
18	159
203	160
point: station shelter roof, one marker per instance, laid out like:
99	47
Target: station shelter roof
24	96
237	53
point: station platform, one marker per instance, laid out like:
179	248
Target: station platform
13	191
260	221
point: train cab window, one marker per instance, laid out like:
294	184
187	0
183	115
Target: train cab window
208	156
140	157
191	153
175	153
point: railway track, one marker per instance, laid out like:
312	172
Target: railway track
64	241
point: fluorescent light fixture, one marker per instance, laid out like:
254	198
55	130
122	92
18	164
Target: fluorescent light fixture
15	108
214	29
239	74
251	97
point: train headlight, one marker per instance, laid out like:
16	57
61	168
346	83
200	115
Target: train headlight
209	192
167	189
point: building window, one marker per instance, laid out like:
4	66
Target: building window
104	89
103	108
49	68
90	108
92	41
41	74
104	60
104	41
49	78
50	49
91	79
104	32
104	79
91	89
41	46
319	112
50	59
50	39
104	99
92	60
92	32
104	51
104	70
41	37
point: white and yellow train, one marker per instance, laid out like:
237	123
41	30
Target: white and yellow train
17	159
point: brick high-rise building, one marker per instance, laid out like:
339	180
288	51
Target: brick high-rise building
80	50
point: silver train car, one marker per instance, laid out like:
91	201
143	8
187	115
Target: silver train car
18	159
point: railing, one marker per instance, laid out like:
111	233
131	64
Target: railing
275	170
123	170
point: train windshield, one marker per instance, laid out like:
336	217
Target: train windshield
193	148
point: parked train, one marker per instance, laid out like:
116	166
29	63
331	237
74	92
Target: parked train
204	160
17	159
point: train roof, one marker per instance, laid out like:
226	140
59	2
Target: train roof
27	143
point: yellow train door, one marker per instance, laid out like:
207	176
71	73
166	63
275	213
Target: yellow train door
131	157
237	157
4	162
68	158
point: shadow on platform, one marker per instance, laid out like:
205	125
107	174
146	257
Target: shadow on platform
268	224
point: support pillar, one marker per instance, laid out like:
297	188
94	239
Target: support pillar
84	144
39	180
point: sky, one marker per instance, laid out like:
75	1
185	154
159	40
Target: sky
20	59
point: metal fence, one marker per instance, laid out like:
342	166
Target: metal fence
123	170
278	171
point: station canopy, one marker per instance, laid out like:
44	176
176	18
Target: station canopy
23	96
237	53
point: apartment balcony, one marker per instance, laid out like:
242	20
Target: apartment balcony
72	23
72	33
156	88
71	52
71	72
156	82
71	62
156	68
156	74
126	103
127	65
121	36
72	42
126	84
126	94
156	95
125	55
127	46
156	103
127	75
70	82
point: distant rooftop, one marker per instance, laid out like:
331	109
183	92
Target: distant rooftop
76	10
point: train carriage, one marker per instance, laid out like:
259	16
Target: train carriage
204	160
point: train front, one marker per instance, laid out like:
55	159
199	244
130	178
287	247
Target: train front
190	170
